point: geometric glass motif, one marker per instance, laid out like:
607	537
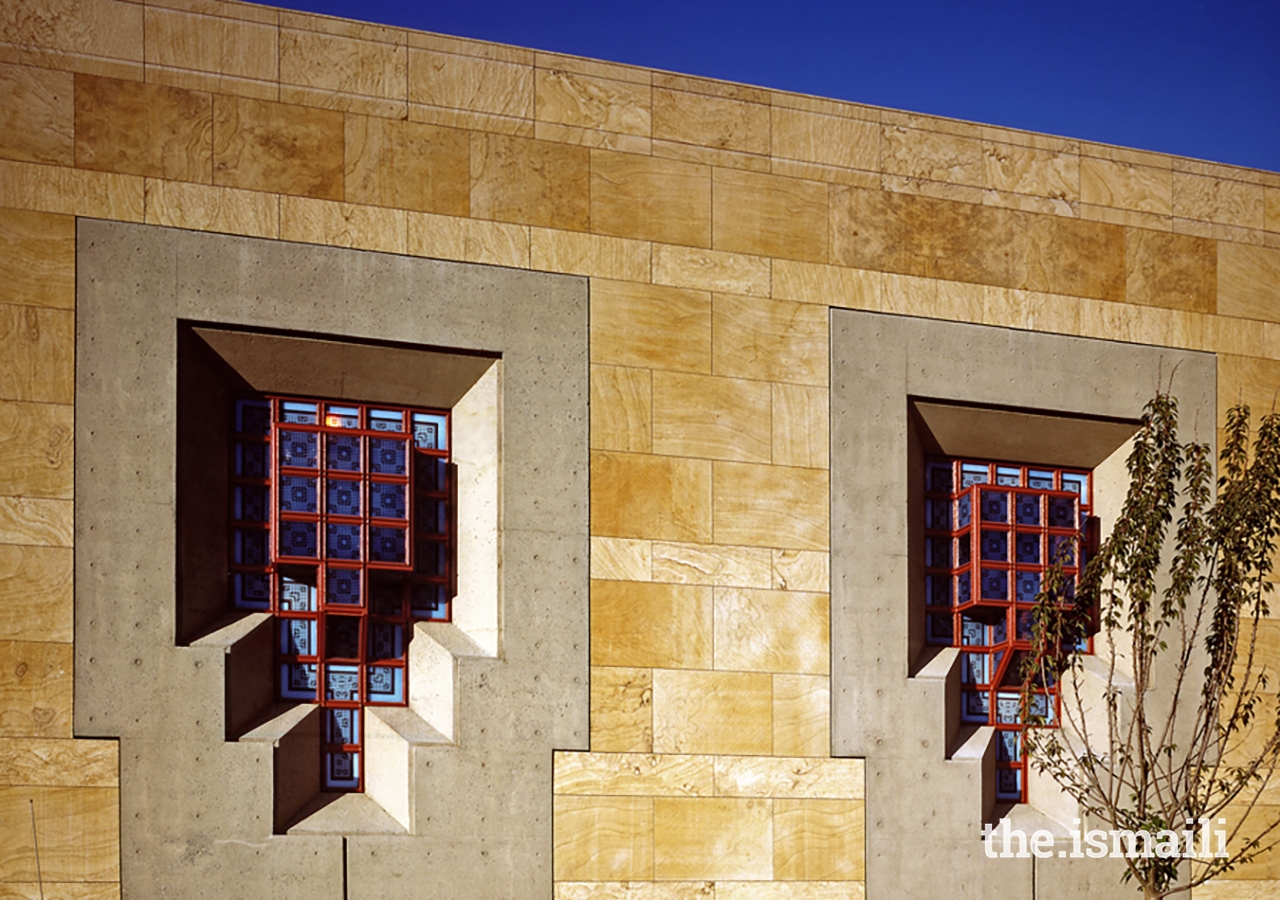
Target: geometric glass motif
981	580
341	527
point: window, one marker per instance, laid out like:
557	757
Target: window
991	531
342	528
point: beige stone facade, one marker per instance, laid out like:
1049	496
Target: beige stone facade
717	224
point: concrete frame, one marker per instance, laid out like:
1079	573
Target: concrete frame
893	700
197	809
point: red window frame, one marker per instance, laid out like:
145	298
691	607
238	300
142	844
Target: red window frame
991	532
343	526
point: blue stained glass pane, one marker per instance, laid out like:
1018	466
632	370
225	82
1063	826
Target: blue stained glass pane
342	541
297	493
342	769
343	452
342	586
1028	509
298	539
964	510
1040	480
939	478
387	456
939	628
1008	746
253	416
387	544
386	420
342	683
937	514
974	706
342	498
995	506
342	726
250	547
964	592
250	503
1009	784
297	596
342	637
385	641
296	413
298	681
1008	707
386	684
298	637
252	590
251	460
387	501
1028	586
429	601
1062	549
971	474
299	448
1028	548
995	584
937	590
995	545
1026	621
1062	512
1007	475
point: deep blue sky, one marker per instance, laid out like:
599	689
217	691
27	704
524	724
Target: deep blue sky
1198	79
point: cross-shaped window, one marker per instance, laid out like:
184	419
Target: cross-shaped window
342	527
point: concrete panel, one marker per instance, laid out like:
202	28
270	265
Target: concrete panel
201	812
899	388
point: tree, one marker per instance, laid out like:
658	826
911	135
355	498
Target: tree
1168	722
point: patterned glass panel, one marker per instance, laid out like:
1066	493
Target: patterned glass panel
386	684
387	544
342	683
430	601
995	506
1029	509
1062	512
1028	544
1028	587
387	501
298	539
995	545
342	497
343	542
297	596
298	681
297	494
995	584
299	449
252	590
343	453
343	586
251	460
387	456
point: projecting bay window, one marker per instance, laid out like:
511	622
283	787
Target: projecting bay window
343	527
991	532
